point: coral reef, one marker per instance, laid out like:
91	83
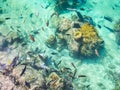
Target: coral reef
81	37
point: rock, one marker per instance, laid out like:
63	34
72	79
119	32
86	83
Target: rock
65	24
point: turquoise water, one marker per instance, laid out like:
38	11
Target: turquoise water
59	45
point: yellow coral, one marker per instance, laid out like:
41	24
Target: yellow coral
77	35
88	33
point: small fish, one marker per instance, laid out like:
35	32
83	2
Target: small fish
54	53
73	65
14	62
33	80
79	15
55	13
82	76
27	84
23	71
7	18
111	30
41	6
12	27
82	9
108	18
43	66
47	23
97	53
37	14
99	26
2	66
72	9
42	57
42	28
32	38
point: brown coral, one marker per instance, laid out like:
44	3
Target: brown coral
54	82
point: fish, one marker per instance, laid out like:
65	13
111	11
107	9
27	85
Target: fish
42	6
73	65
82	9
2	66
14	62
108	18
33	80
43	66
37	14
27	84
99	26
43	28
47	23
31	15
55	13
79	15
7	18
23	71
32	38
111	30
72	9
42	57
97	53
82	76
